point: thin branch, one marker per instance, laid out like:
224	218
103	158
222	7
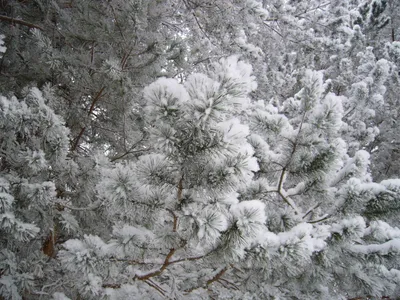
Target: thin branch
236	268
201	28
271	20
274	30
111	285
320	220
311	209
187	259
163	267
127	153
312	9
230	283
217	276
289	202
95	99
155	286
282	176
210	281
124	59
280	183
20	22
75	145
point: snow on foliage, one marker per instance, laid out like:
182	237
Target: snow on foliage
189	150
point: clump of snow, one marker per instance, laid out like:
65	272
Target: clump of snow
211	223
350	227
382	231
164	98
246	212
127	232
392	246
60	296
233	73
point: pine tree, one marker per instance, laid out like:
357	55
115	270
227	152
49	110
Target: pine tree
141	158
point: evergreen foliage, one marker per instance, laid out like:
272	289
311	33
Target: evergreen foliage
199	149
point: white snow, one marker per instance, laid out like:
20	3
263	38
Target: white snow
252	211
382	249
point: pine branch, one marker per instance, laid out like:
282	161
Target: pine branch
111	285
188	259
210	281
20	22
77	139
130	150
95	99
320	220
172	251
155	286
163	267
230	283
282	176
311	210
289	202
280	183
175	224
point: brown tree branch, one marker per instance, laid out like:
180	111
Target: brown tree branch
163	267
95	99
217	276
111	285
230	283
76	143
210	281
155	286
20	22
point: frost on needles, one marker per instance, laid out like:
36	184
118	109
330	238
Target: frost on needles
199	150
229	190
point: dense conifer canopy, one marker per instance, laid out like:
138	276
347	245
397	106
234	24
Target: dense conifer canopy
193	149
